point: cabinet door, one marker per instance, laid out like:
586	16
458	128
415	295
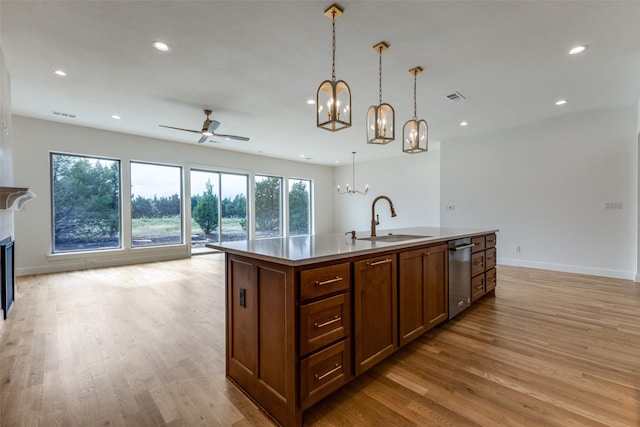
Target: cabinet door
477	287
412	298
437	279
375	311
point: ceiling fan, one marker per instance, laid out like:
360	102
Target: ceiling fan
208	129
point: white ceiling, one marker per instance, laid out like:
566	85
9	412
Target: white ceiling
255	63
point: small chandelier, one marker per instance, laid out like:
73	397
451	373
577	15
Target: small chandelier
334	97
352	190
381	120
415	133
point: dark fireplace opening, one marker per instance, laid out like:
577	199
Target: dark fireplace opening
8	284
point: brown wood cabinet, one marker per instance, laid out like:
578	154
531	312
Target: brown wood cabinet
375	310
324	331
422	291
483	265
296	333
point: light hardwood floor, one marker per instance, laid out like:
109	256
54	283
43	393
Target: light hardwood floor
144	346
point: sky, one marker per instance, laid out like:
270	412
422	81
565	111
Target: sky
148	180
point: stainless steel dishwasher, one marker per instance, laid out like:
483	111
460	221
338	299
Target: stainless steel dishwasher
459	275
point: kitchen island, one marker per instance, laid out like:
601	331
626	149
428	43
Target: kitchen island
307	314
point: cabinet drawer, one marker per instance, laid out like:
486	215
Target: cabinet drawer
324	372
479	244
477	263
323	322
490	241
477	287
490	260
490	283
327	280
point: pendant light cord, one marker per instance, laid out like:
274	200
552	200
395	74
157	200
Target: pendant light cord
333	31
380	77
415	115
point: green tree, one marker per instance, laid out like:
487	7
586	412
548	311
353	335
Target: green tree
206	212
142	207
236	208
299	208
168	206
268	205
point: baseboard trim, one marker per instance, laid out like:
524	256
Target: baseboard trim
87	262
578	269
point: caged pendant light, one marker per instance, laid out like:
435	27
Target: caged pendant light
415	133
381	120
334	97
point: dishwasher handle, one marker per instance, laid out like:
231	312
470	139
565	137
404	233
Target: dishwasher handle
462	247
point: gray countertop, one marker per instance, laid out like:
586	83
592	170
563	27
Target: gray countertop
309	249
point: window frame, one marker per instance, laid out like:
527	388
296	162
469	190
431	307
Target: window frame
52	207
182	204
282	223
310	206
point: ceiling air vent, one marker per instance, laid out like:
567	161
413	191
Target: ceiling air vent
68	115
455	96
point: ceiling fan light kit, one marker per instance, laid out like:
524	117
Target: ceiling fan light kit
380	118
333	100
415	133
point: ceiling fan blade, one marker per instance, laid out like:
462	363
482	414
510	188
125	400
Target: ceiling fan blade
237	138
213	125
203	139
186	130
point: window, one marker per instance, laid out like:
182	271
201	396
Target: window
205	206
85	203
233	190
299	207
268	205
212	193
156	214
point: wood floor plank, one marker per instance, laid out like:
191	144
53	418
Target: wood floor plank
144	345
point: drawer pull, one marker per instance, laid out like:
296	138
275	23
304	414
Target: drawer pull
328	282
326	374
384	261
328	322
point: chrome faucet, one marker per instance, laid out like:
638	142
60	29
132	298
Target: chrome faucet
375	219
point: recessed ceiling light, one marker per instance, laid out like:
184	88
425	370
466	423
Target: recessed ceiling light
337	161
302	155
311	101
578	49
60	73
115	116
561	101
464	123
160	45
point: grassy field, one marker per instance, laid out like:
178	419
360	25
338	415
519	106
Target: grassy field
155	227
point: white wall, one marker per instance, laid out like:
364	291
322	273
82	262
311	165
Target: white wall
638	193
33	140
412	181
6	156
543	185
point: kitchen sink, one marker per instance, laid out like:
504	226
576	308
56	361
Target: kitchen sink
393	237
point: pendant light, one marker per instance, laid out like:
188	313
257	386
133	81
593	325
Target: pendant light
352	190
334	97
381	120
415	133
